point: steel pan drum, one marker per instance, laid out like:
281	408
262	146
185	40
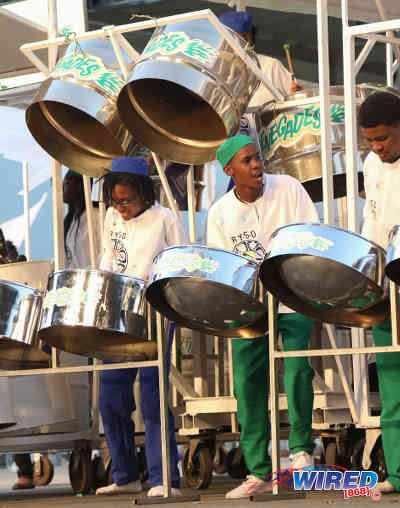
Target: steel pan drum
392	268
327	273
42	404
19	318
96	313
74	115
208	289
7	413
187	92
289	136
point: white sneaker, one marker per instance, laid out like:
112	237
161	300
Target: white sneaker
385	487
158	491
251	487
301	459
113	489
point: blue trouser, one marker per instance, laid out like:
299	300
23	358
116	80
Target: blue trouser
116	406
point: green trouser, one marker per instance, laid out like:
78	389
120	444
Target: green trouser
251	385
388	367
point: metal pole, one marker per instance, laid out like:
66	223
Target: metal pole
324	82
27	219
191	204
52	31
90	220
273	391
163	384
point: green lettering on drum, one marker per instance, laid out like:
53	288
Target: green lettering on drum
288	128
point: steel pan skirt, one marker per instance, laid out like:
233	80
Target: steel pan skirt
95	313
327	273
209	290
19	316
392	268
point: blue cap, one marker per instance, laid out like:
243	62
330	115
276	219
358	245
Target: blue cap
133	165
239	21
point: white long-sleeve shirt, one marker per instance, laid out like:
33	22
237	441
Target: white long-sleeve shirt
280	77
130	246
382	205
246	228
77	241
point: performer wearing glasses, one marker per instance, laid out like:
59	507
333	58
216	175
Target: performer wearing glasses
136	229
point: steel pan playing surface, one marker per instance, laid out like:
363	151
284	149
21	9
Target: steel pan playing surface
327	273
208	289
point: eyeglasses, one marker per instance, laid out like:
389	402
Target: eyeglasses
122	203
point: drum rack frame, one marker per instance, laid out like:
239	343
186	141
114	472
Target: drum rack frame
359	406
114	34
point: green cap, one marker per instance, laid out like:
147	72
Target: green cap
230	148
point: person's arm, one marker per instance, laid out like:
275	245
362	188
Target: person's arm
305	210
369	226
215	233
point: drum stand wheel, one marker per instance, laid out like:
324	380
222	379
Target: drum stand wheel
43	472
235	464
100	473
81	471
197	469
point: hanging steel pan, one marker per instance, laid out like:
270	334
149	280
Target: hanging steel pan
42	404
96	313
327	273
289	136
187	92
19	318
207	289
74	116
392	268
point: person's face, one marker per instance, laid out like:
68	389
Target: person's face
128	202
246	168
72	189
248	36
384	140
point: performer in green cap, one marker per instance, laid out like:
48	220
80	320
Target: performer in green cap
242	221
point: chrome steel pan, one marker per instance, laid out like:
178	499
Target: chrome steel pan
327	273
187	91
392	268
208	289
19	318
96	314
42	404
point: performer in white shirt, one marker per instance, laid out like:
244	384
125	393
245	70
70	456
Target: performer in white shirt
379	118
136	229
243	221
76	233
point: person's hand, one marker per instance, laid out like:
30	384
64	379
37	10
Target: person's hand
295	87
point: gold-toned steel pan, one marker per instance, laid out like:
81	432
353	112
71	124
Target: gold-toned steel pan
74	116
289	136
187	92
